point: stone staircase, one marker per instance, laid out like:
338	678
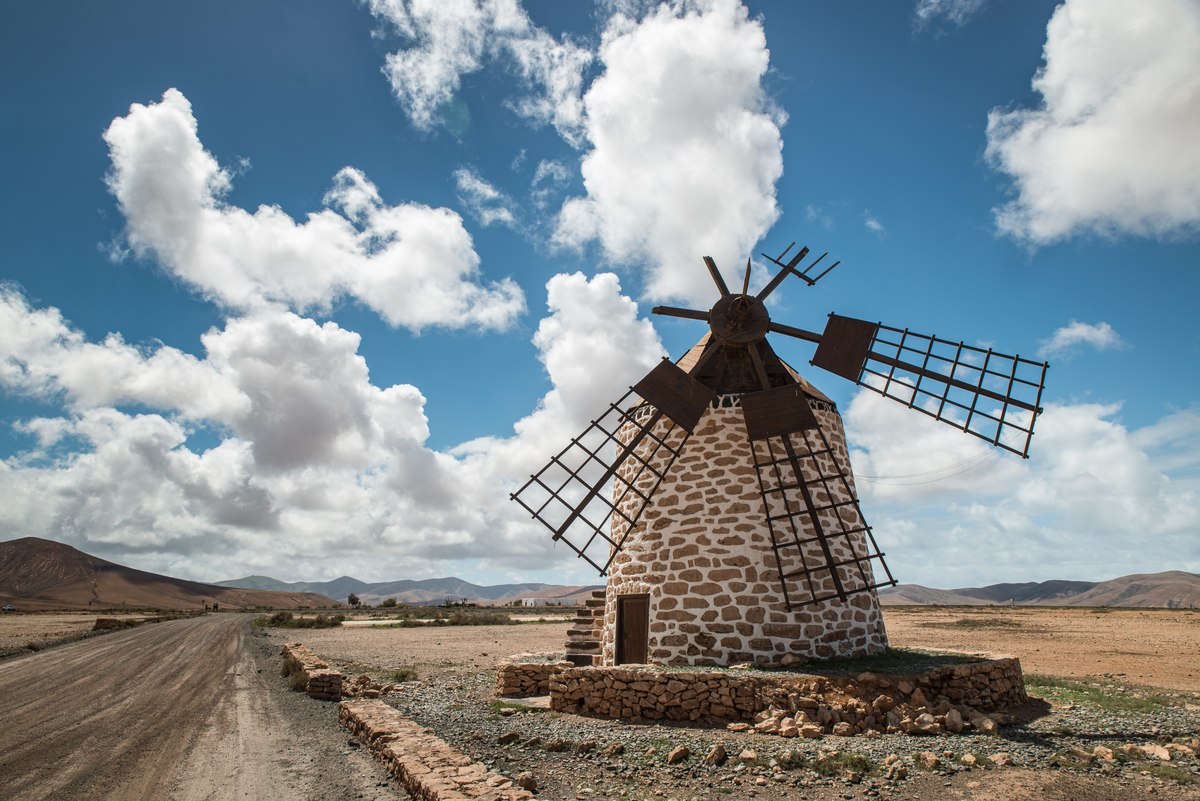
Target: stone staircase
583	639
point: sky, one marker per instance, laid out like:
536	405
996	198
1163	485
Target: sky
306	289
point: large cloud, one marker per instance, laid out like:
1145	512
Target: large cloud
448	39
1113	148
412	264
685	146
315	469
1094	499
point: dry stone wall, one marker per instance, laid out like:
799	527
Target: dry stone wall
526	679
322	681
950	697
702	552
424	764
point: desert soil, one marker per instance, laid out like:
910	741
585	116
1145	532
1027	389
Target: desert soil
197	709
1158	648
182	710
17	631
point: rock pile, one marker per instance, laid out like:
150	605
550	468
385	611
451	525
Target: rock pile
322	681
363	686
522	679
427	767
948	699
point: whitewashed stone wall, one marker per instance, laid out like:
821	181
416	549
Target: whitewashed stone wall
702	552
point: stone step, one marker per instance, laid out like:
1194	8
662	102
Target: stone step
581	660
586	646
587	633
601	594
594	603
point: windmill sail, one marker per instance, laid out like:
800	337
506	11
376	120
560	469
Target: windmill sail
985	393
823	547
592	494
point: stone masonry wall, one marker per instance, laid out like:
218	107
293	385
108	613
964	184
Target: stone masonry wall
868	701
426	766
526	679
702	552
322	681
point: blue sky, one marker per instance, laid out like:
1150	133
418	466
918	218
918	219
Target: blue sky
303	288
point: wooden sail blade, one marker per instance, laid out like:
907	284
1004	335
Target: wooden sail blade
716	276
675	311
985	393
776	412
592	494
676	394
823	547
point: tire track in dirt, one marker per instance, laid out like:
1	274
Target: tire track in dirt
180	709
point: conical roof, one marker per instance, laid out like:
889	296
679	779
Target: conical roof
688	362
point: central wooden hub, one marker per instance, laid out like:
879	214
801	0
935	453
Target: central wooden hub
739	319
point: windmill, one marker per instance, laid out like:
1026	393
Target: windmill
717	494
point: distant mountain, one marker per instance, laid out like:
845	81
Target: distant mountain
1030	592
415	591
1173	589
42	574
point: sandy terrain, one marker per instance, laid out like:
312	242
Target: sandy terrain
182	710
1153	647
1159	647
18	630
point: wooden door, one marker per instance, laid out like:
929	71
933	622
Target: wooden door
633	628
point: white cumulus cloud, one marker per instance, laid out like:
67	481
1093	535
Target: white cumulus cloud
1113	147
684	146
956	12
315	470
412	264
447	39
1093	494
1069	338
487	203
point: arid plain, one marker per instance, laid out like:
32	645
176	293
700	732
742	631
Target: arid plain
1140	654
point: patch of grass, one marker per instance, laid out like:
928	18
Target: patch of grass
837	763
892	660
454	619
400	675
1107	698
979	623
287	620
497	706
1171	772
298	681
1064	730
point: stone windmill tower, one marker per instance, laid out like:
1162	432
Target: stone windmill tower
717	494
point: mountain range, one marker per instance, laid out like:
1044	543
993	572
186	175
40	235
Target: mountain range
413	591
42	574
1173	589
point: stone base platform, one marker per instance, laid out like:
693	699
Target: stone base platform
951	697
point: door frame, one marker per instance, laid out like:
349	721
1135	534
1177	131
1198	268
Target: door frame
623	601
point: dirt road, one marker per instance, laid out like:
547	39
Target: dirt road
190	710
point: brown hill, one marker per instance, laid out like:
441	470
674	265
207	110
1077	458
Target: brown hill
916	595
1172	589
41	574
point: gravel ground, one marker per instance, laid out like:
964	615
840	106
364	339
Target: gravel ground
568	755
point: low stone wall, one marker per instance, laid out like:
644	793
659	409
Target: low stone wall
526	679
428	768
322	681
948	698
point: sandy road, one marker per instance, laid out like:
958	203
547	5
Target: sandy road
192	710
